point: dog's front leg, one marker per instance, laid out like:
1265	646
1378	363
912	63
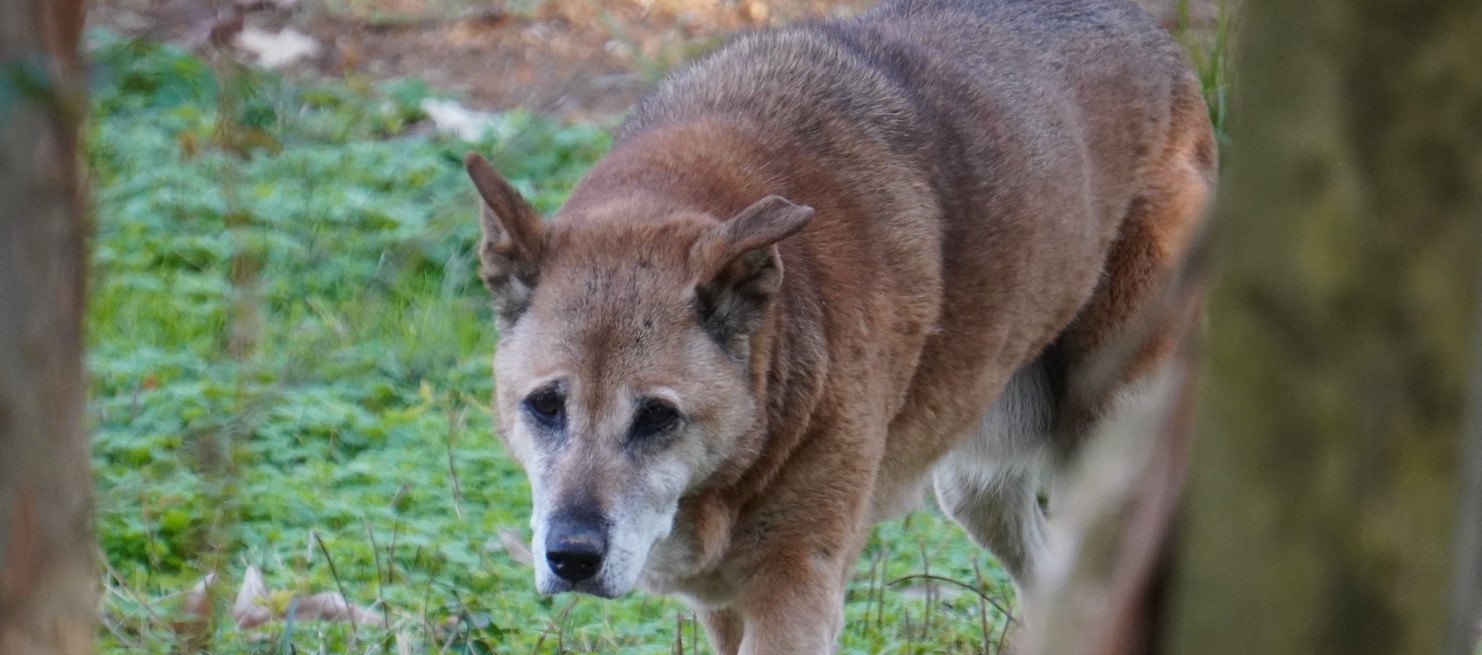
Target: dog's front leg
794	605
725	629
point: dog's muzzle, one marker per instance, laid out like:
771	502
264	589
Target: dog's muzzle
575	547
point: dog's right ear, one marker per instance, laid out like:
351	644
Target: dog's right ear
747	268
514	237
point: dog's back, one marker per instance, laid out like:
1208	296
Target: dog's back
996	153
954	87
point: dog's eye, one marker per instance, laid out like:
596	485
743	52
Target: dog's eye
547	407
654	417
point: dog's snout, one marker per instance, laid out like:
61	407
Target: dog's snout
574	549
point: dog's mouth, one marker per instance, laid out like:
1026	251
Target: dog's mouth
553	576
596	588
601	585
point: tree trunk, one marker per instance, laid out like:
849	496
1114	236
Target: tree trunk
1333	504
47	582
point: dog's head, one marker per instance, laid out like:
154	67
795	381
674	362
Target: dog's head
623	373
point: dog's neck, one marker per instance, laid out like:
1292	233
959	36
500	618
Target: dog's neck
707	165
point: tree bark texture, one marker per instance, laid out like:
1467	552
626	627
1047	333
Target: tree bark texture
47	583
1333	503
1100	593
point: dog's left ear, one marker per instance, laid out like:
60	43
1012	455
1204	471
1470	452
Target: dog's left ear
748	269
514	238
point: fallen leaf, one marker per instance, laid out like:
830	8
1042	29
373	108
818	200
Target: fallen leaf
251	609
194	621
514	544
451	117
276	49
257	605
329	606
197	603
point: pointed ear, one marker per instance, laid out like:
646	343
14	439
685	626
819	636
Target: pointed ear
747	269
513	239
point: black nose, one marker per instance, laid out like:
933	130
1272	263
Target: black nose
574	548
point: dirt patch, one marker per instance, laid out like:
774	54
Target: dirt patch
573	59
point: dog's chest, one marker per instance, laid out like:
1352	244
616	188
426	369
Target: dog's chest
674	567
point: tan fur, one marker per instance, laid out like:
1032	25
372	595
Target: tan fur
979	195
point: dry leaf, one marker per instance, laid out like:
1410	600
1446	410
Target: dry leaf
256	605
276	50
251	609
514	544
197	604
194	622
451	117
329	606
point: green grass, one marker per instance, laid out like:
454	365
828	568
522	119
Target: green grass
1208	48
352	448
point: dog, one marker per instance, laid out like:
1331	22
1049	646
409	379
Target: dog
828	266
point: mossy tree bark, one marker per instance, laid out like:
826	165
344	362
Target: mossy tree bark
47	582
1333	499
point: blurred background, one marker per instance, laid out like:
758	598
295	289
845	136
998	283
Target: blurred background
569	59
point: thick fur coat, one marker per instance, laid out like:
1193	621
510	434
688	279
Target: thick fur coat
825	267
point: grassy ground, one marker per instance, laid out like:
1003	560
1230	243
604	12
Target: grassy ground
289	351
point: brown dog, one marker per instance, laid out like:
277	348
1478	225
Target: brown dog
827	265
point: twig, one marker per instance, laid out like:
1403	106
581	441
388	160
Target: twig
931	592
1003	636
376	555
455	425
134	402
391	553
426	594
117	588
982	606
870	591
354	625
695	631
559	625
879	605
963	585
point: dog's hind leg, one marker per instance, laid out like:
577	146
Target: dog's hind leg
1131	326
989	483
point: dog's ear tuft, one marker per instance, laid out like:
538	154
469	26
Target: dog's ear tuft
748	273
513	238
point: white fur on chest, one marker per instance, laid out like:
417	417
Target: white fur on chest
674	567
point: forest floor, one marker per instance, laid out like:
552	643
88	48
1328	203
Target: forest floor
568	59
